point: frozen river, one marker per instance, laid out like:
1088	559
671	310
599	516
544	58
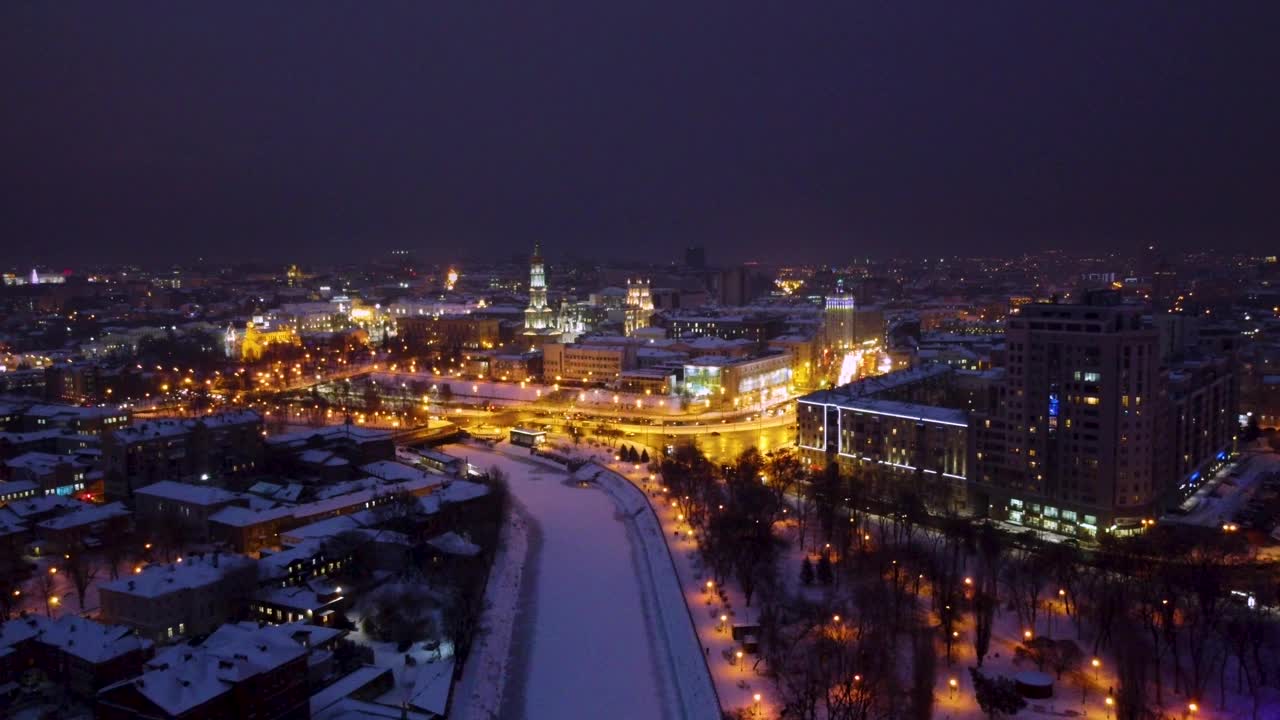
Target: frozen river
583	647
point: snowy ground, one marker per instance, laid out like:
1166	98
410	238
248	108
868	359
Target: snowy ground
1076	695
1224	494
584	645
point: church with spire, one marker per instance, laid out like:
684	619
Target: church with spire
539	318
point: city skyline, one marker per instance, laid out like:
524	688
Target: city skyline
716	361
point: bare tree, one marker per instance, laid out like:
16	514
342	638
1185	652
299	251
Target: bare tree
46	583
984	608
82	569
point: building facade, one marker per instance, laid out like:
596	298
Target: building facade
148	452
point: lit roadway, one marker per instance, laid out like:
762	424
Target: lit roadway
722	434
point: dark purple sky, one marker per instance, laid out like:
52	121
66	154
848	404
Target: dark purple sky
775	131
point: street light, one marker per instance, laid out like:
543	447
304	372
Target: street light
1110	701
1026	634
953	683
1096	664
1192	708
755	700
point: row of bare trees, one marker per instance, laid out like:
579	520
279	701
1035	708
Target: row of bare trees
1180	612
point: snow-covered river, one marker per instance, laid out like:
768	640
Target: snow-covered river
582	645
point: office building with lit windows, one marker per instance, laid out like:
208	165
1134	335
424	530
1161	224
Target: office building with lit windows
1090	432
588	364
892	433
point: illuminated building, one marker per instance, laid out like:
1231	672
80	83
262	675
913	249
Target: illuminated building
650	381
758	327
515	367
35	278
255	342
738	381
639	305
576	318
878	431
588	364
312	317
538	316
846	325
804	358
230	341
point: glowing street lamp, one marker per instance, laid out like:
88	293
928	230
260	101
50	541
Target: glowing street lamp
953	684
1192	708
1026	634
1096	663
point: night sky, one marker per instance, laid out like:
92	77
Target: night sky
775	131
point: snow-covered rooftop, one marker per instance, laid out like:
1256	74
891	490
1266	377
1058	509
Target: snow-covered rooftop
85	514
392	471
192	573
174	427
346	685
90	641
40	463
203	495
452	543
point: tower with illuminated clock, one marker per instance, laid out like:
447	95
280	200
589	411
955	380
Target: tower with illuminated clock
538	316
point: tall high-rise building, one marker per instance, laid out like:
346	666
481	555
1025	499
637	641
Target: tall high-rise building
837	323
1074	440
639	306
538	316
846	324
